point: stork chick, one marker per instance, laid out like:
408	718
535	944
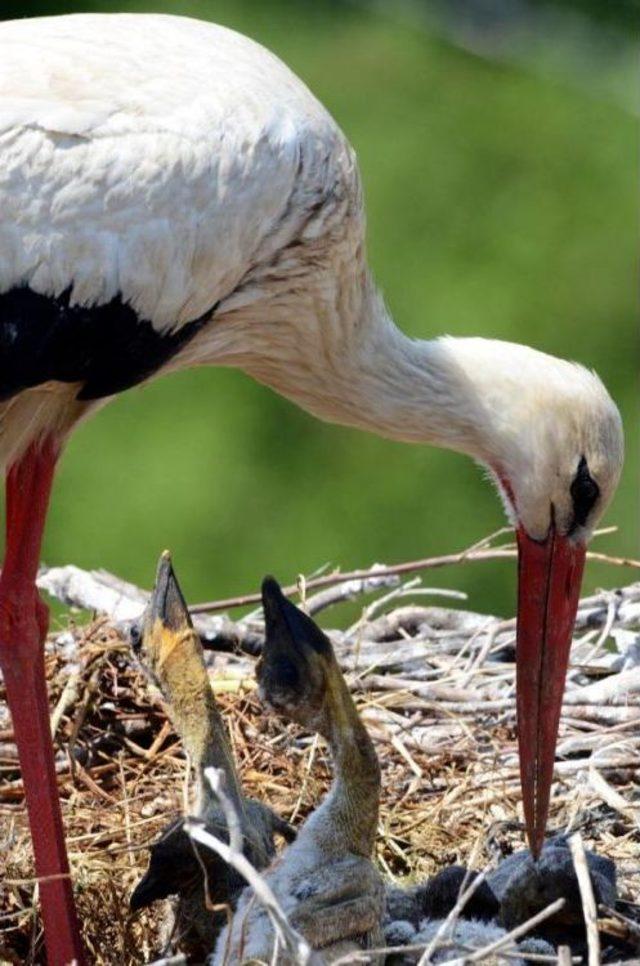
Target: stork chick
170	651
325	881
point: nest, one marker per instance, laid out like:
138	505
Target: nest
436	688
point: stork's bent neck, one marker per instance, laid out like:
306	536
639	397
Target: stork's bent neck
331	347
406	389
344	360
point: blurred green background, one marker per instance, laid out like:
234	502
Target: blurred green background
498	164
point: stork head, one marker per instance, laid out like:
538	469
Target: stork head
559	454
552	439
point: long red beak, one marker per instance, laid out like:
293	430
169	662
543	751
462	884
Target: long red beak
549	579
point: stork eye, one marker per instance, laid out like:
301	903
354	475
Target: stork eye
584	494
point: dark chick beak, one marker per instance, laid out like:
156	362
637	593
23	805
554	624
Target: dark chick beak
167	604
549	579
148	890
286	624
173	866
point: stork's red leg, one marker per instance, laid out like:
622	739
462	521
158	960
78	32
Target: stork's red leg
23	627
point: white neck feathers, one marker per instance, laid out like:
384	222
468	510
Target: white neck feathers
355	367
332	348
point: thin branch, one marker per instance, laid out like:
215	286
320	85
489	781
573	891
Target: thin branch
516	933
217	781
232	854
630	930
476	552
463	898
409	567
588	899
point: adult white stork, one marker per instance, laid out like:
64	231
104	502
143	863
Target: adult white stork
172	195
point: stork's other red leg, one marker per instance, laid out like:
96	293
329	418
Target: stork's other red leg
23	627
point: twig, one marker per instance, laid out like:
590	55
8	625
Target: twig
628	928
409	567
69	696
294	943
613	798
463	898
348	591
588	899
179	960
127	814
516	933
366	955
476	552
216	778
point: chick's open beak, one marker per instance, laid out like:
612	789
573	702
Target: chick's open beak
549	579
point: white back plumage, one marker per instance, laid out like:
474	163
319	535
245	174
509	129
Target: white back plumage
156	157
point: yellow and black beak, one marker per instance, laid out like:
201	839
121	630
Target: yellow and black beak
167	604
